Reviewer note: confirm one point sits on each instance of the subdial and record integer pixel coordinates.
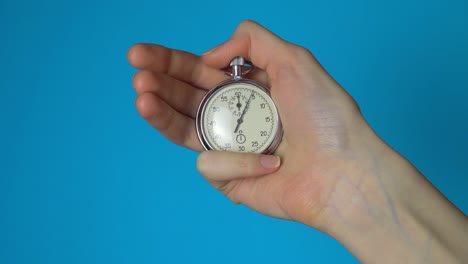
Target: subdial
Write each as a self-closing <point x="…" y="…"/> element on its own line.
<point x="237" y="104"/>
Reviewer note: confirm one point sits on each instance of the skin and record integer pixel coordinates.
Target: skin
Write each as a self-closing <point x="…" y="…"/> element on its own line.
<point x="330" y="172"/>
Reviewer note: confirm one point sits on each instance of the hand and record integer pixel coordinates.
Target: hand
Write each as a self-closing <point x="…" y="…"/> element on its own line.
<point x="336" y="174"/>
<point x="240" y="120"/>
<point x="239" y="105"/>
<point x="326" y="142"/>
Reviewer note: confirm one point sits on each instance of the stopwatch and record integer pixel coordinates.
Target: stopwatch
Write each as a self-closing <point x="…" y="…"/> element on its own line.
<point x="239" y="114"/>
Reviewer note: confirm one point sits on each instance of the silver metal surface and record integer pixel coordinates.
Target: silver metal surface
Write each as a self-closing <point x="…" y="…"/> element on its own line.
<point x="240" y="67"/>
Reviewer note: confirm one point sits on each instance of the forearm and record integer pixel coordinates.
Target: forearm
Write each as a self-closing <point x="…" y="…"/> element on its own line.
<point x="394" y="215"/>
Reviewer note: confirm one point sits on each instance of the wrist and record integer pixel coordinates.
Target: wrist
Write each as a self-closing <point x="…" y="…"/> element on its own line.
<point x="392" y="210"/>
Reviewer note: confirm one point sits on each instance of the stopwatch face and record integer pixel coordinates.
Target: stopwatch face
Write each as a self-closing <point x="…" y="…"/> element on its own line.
<point x="239" y="116"/>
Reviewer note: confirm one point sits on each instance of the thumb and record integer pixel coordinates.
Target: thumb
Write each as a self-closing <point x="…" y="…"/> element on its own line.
<point x="251" y="40"/>
<point x="222" y="166"/>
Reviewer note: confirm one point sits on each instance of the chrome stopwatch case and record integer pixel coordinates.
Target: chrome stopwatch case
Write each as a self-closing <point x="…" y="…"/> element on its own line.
<point x="239" y="115"/>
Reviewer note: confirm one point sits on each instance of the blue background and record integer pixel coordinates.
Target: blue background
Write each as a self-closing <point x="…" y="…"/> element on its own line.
<point x="83" y="179"/>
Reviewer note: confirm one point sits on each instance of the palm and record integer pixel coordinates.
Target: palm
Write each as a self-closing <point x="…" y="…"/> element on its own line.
<point x="171" y="84"/>
<point x="322" y="124"/>
<point x="308" y="168"/>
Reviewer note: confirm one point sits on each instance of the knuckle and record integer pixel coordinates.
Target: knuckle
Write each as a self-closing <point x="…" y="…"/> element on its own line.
<point x="188" y="139"/>
<point x="301" y="50"/>
<point x="229" y="189"/>
<point x="245" y="166"/>
<point x="154" y="80"/>
<point x="299" y="59"/>
<point x="248" y="23"/>
<point x="168" y="123"/>
<point x="242" y="164"/>
<point x="300" y="53"/>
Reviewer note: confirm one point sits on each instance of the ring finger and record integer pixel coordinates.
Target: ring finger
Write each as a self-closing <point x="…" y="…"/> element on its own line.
<point x="179" y="95"/>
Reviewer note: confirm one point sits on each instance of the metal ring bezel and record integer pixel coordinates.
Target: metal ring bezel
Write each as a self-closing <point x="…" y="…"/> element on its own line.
<point x="201" y="111"/>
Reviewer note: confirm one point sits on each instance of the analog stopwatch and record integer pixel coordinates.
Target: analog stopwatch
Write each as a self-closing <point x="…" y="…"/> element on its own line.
<point x="239" y="115"/>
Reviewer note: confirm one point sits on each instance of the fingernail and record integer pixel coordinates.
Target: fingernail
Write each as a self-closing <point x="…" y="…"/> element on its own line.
<point x="212" y="49"/>
<point x="270" y="161"/>
<point x="209" y="51"/>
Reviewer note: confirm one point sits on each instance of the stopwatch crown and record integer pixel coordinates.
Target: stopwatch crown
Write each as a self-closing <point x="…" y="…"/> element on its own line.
<point x="237" y="61"/>
<point x="239" y="67"/>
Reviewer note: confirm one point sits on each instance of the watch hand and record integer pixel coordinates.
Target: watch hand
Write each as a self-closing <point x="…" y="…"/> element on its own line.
<point x="239" y="121"/>
<point x="239" y="105"/>
<point x="241" y="118"/>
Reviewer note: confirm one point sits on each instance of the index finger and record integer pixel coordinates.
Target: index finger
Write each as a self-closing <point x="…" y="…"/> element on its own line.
<point x="179" y="64"/>
<point x="250" y="40"/>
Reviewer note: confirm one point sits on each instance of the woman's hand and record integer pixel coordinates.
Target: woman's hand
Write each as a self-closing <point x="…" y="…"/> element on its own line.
<point x="331" y="171"/>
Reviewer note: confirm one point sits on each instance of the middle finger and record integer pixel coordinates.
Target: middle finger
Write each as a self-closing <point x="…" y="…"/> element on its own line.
<point x="179" y="95"/>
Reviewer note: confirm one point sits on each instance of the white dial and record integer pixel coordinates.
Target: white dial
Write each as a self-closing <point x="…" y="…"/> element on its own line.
<point x="239" y="116"/>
